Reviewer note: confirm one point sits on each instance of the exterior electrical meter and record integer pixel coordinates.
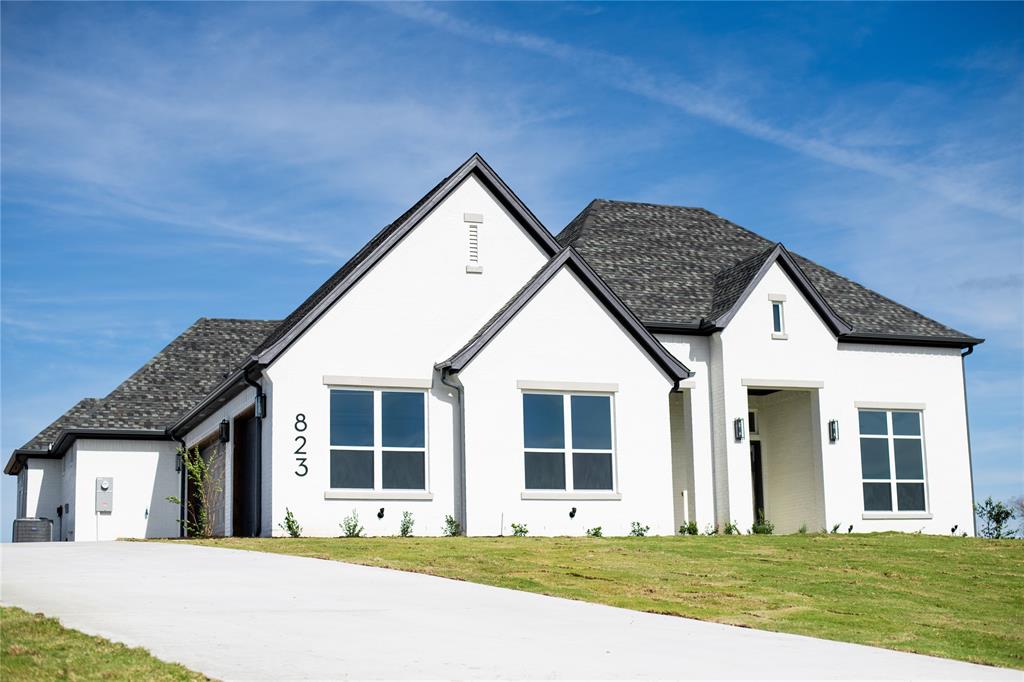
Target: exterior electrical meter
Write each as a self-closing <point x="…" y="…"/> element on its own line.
<point x="104" y="494"/>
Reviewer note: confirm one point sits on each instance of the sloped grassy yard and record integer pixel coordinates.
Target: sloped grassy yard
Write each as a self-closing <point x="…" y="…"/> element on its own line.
<point x="954" y="597"/>
<point x="34" y="647"/>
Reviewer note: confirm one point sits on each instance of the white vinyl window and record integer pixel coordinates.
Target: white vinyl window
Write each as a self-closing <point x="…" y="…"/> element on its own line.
<point x="378" y="439"/>
<point x="892" y="461"/>
<point x="568" y="442"/>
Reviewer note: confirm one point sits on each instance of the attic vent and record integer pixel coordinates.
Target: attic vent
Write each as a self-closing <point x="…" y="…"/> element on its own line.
<point x="473" y="222"/>
<point x="474" y="243"/>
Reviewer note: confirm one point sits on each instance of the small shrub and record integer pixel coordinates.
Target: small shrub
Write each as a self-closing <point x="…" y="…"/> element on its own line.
<point x="638" y="530"/>
<point x="803" y="529"/>
<point x="595" y="532"/>
<point x="732" y="528"/>
<point x="520" y="530"/>
<point x="762" y="526"/>
<point x="710" y="529"/>
<point x="952" y="531"/>
<point x="835" y="528"/>
<point x="350" y="525"/>
<point x="451" y="527"/>
<point x="688" y="528"/>
<point x="405" y="527"/>
<point x="850" y="529"/>
<point x="994" y="517"/>
<point x="290" y="525"/>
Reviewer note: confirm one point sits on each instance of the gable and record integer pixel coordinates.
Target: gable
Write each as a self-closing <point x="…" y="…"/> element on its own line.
<point x="385" y="240"/>
<point x="805" y="331"/>
<point x="568" y="264"/>
<point x="734" y="285"/>
<point x="421" y="299"/>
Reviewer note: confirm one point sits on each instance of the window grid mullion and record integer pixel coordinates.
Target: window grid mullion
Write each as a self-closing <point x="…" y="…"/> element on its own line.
<point x="567" y="425"/>
<point x="378" y="458"/>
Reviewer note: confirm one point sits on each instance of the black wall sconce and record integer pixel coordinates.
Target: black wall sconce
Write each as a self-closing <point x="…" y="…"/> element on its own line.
<point x="380" y="514"/>
<point x="833" y="431"/>
<point x="260" y="407"/>
<point x="225" y="431"/>
<point x="177" y="462"/>
<point x="737" y="427"/>
<point x="572" y="513"/>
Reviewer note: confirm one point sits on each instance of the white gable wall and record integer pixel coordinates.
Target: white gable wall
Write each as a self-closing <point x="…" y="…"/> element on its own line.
<point x="850" y="373"/>
<point x="416" y="307"/>
<point x="565" y="335"/>
<point x="144" y="476"/>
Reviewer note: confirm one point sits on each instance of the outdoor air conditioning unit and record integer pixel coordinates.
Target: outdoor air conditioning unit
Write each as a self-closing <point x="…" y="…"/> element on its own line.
<point x="33" y="530"/>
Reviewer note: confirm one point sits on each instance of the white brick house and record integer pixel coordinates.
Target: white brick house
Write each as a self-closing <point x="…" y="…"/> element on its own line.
<point x="651" y="363"/>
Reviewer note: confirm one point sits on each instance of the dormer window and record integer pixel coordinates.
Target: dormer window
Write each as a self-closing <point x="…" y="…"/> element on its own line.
<point x="778" y="302"/>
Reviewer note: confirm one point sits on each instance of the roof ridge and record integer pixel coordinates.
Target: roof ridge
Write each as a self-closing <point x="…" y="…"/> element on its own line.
<point x="651" y="203"/>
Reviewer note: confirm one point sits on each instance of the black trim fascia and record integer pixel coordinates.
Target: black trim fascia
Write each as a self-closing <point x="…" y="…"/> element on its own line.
<point x="65" y="437"/>
<point x="18" y="457"/>
<point x="701" y="328"/>
<point x="911" y="340"/>
<point x="674" y="369"/>
<point x="68" y="436"/>
<point x="475" y="165"/>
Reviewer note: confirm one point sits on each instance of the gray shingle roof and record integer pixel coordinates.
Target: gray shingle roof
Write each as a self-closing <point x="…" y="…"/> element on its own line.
<point x="171" y="383"/>
<point x="681" y="265"/>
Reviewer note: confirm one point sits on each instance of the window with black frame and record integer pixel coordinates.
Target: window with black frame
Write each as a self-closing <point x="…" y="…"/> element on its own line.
<point x="892" y="461"/>
<point x="568" y="442"/>
<point x="378" y="439"/>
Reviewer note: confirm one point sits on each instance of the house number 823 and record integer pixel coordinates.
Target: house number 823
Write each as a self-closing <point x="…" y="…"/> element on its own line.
<point x="300" y="425"/>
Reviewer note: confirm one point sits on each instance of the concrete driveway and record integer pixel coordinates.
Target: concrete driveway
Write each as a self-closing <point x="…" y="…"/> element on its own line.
<point x="246" y="615"/>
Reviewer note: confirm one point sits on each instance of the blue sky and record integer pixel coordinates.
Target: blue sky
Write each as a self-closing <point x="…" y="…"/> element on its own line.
<point x="170" y="161"/>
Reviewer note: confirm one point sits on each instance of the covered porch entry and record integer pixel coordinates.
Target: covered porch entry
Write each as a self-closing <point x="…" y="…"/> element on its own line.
<point x="784" y="428"/>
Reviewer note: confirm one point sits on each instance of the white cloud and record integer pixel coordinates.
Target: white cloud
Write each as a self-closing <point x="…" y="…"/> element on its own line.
<point x="956" y="183"/>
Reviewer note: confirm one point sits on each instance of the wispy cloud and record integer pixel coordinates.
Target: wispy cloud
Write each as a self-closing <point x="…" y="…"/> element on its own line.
<point x="722" y="109"/>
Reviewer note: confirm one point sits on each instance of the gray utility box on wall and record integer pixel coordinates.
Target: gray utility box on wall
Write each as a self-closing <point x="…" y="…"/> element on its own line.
<point x="104" y="494"/>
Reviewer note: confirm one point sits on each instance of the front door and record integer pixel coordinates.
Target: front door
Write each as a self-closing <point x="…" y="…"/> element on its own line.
<point x="756" y="479"/>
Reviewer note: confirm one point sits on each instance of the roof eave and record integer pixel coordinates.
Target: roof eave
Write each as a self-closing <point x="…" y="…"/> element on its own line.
<point x="215" y="399"/>
<point x="911" y="340"/>
<point x="66" y="437"/>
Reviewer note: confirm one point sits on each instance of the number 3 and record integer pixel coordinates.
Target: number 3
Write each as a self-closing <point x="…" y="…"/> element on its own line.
<point x="302" y="466"/>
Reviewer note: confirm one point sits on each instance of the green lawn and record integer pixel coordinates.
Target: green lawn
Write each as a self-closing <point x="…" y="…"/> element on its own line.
<point x="954" y="597"/>
<point x="34" y="647"/>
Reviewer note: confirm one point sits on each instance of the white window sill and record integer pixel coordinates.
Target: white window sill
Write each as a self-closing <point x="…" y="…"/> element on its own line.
<point x="337" y="494"/>
<point x="894" y="516"/>
<point x="780" y="336"/>
<point x="570" y="495"/>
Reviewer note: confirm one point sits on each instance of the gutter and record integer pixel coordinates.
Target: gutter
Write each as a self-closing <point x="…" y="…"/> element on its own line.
<point x="967" y="421"/>
<point x="183" y="487"/>
<point x="461" y="444"/>
<point x="258" y="492"/>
